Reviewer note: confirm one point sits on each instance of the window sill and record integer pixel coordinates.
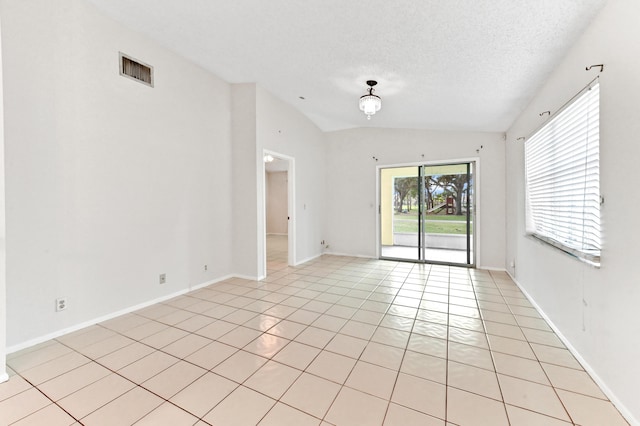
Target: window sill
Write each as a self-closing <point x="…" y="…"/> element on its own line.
<point x="589" y="259"/>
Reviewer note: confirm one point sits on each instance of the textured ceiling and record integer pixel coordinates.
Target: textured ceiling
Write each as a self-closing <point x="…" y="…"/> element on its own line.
<point x="441" y="64"/>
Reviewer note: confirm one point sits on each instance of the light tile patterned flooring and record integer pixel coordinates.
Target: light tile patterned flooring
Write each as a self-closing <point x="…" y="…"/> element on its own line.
<point x="338" y="340"/>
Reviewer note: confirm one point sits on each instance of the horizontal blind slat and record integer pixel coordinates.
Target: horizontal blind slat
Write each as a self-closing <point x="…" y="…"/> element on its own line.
<point x="562" y="176"/>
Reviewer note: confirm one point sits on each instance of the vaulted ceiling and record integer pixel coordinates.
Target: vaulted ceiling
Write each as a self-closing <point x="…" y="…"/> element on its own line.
<point x="440" y="64"/>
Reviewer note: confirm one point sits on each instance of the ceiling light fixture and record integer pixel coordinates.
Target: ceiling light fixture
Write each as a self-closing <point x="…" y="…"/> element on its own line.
<point x="370" y="103"/>
<point x="268" y="158"/>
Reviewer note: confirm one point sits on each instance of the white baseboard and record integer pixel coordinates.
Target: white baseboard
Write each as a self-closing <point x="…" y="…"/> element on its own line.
<point x="492" y="268"/>
<point x="62" y="332"/>
<point x="208" y="283"/>
<point x="246" y="277"/>
<point x="308" y="259"/>
<point x="605" y="389"/>
<point x="362" y="256"/>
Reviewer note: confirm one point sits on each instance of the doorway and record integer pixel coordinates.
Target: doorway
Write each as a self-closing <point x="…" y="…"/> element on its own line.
<point x="427" y="213"/>
<point x="279" y="236"/>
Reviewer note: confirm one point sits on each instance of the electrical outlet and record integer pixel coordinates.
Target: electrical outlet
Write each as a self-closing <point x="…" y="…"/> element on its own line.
<point x="163" y="278"/>
<point x="61" y="304"/>
<point x="205" y="267"/>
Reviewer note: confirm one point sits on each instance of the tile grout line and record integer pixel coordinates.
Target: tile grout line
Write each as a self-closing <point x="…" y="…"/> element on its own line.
<point x="491" y="352"/>
<point x="371" y="280"/>
<point x="343" y="385"/>
<point x="538" y="361"/>
<point x="136" y="385"/>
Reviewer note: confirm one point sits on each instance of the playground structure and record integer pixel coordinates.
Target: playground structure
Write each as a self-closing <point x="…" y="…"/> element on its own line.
<point x="449" y="206"/>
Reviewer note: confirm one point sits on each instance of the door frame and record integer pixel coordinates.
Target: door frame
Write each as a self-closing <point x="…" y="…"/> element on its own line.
<point x="291" y="228"/>
<point x="477" y="229"/>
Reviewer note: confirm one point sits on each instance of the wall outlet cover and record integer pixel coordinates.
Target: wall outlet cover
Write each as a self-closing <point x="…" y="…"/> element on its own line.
<point x="61" y="304"/>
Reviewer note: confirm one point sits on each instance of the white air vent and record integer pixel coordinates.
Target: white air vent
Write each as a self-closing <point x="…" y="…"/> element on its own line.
<point x="136" y="70"/>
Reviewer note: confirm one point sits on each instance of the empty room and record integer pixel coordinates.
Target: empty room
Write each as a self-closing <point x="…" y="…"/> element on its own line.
<point x="319" y="212"/>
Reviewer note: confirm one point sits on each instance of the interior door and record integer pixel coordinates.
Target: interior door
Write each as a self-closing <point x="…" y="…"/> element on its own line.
<point x="427" y="213"/>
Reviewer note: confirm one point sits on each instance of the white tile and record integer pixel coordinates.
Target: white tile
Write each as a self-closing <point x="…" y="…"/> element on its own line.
<point x="167" y="415"/>
<point x="51" y="415"/>
<point x="352" y="407"/>
<point x="576" y="381"/>
<point x="243" y="407"/>
<point x="521" y="417"/>
<point x="332" y="366"/>
<point x="273" y="379"/>
<point x="205" y="393"/>
<point x="127" y="409"/>
<point x="473" y="379"/>
<point x="372" y="379"/>
<point x="297" y="355"/>
<point x="587" y="411"/>
<point x="266" y="345"/>
<point x="425" y="366"/>
<point x="239" y="366"/>
<point x="397" y="415"/>
<point x="283" y="415"/>
<point x="21" y="405"/>
<point x="311" y="394"/>
<point x="419" y="394"/>
<point x="532" y="396"/>
<point x="94" y="396"/>
<point x="464" y="408"/>
<point x="175" y="378"/>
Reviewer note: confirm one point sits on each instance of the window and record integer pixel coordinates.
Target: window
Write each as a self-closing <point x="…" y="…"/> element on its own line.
<point x="563" y="178"/>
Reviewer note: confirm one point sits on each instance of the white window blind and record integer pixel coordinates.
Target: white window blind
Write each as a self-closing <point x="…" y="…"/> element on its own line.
<point x="563" y="179"/>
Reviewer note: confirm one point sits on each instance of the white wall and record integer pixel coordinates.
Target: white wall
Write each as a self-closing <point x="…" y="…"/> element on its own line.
<point x="109" y="182"/>
<point x="351" y="183"/>
<point x="276" y="202"/>
<point x="282" y="129"/>
<point x="595" y="309"/>
<point x="244" y="181"/>
<point x="3" y="275"/>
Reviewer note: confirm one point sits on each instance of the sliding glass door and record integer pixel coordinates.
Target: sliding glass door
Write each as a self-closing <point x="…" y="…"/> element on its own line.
<point x="426" y="213"/>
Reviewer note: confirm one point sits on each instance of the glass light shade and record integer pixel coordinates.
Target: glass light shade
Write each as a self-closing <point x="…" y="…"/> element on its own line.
<point x="268" y="158"/>
<point x="370" y="104"/>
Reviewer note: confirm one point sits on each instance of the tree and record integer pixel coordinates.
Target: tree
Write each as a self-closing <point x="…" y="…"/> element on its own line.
<point x="456" y="185"/>
<point x="403" y="186"/>
<point x="430" y="185"/>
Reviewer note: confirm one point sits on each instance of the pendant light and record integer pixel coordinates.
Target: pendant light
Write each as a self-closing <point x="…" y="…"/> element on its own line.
<point x="370" y="103"/>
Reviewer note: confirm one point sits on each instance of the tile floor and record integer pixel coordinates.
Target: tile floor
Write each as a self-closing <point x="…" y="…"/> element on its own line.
<point x="336" y="341"/>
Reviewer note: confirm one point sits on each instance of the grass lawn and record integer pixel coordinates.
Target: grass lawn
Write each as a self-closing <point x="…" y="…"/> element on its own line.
<point x="413" y="214"/>
<point x="443" y="227"/>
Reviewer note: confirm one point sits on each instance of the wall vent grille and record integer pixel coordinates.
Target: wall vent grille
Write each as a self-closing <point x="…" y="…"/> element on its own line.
<point x="136" y="70"/>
